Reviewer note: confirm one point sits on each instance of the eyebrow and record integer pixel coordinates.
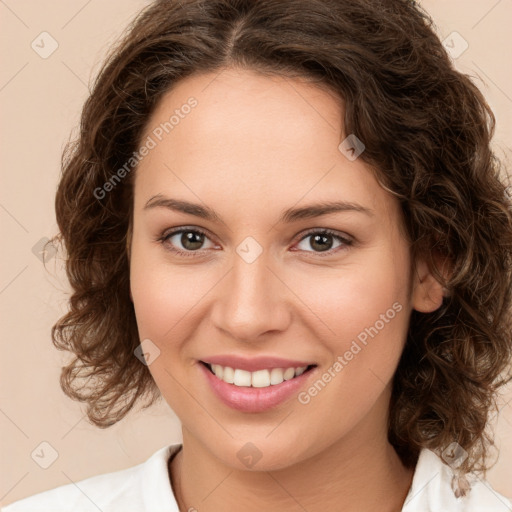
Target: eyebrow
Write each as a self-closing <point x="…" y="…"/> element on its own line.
<point x="287" y="216"/>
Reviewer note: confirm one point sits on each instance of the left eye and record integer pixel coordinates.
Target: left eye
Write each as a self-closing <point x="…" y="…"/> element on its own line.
<point x="322" y="240"/>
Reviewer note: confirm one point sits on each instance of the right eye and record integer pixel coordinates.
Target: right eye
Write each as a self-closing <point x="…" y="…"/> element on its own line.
<point x="189" y="239"/>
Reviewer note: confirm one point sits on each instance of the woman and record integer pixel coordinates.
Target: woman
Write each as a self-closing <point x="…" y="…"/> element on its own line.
<point x="285" y="218"/>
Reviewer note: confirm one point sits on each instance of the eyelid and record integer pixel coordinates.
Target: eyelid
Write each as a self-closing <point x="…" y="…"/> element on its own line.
<point x="343" y="236"/>
<point x="173" y="231"/>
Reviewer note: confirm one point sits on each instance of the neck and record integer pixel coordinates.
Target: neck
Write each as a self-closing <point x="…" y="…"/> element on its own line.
<point x="361" y="471"/>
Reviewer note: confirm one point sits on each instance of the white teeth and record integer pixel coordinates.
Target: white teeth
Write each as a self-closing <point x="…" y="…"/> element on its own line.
<point x="257" y="379"/>
<point x="260" y="379"/>
<point x="218" y="370"/>
<point x="242" y="378"/>
<point x="228" y="374"/>
<point x="289" y="373"/>
<point x="276" y="376"/>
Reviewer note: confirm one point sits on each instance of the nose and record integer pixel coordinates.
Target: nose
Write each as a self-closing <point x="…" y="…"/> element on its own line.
<point x="252" y="300"/>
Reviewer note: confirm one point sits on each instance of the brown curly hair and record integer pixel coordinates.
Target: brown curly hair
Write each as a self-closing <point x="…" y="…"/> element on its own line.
<point x="427" y="130"/>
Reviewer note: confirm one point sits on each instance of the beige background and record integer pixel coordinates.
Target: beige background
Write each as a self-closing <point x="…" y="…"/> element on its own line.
<point x="40" y="101"/>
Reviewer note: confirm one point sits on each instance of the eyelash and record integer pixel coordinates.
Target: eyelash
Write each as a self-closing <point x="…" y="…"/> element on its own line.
<point x="315" y="231"/>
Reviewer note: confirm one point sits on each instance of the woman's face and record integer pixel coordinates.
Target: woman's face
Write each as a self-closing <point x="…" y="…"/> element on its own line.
<point x="265" y="281"/>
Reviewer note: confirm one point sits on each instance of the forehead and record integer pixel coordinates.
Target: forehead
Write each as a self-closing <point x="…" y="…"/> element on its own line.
<point x="251" y="140"/>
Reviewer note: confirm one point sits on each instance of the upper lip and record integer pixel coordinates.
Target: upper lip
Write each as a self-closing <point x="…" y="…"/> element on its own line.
<point x="254" y="364"/>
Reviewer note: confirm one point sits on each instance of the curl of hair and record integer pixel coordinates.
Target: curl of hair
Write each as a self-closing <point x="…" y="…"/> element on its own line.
<point x="427" y="131"/>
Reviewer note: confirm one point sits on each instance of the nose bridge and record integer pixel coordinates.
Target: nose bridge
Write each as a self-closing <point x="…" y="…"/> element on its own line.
<point x="254" y="299"/>
<point x="251" y="280"/>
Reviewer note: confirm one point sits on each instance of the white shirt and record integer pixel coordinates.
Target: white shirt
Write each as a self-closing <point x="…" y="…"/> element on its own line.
<point x="147" y="488"/>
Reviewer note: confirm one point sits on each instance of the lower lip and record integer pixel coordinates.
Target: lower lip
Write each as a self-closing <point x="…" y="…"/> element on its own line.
<point x="249" y="399"/>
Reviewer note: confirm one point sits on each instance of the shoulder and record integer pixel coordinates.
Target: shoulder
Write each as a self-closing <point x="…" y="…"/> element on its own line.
<point x="431" y="490"/>
<point x="144" y="487"/>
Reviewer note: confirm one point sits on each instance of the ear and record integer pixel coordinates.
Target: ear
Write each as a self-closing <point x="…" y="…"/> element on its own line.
<point x="129" y="251"/>
<point x="428" y="292"/>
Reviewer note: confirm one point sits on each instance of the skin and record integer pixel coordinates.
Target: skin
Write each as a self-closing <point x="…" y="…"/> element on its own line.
<point x="253" y="147"/>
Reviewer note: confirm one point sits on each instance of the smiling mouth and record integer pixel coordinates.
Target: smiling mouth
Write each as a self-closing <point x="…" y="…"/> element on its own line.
<point x="258" y="379"/>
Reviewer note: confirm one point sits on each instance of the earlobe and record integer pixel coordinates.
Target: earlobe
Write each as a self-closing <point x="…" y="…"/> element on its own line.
<point x="428" y="292"/>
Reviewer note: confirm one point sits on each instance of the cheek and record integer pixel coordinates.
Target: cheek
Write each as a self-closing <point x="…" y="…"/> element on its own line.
<point x="169" y="299"/>
<point x="156" y="292"/>
<point x="159" y="300"/>
<point x="358" y="296"/>
<point x="366" y="310"/>
<point x="161" y="306"/>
